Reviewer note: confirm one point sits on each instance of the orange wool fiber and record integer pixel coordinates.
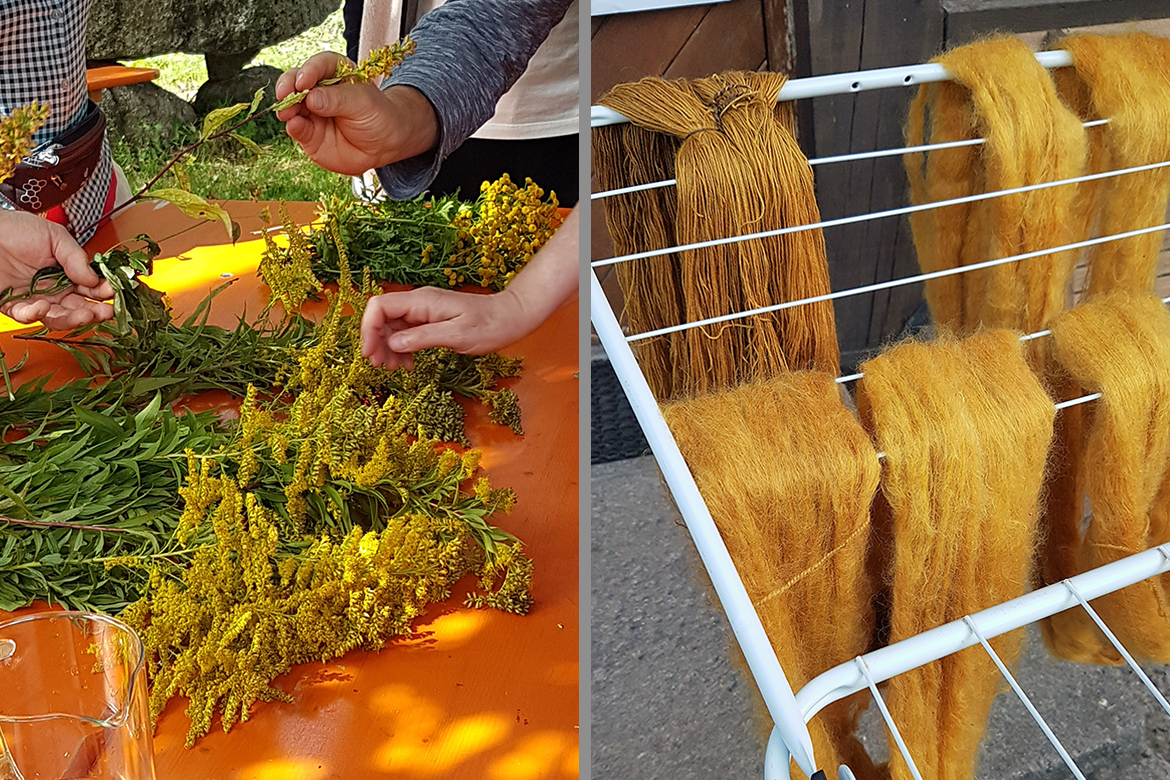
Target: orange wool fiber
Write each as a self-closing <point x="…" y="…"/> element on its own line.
<point x="965" y="427"/>
<point x="739" y="170"/>
<point x="1002" y="94"/>
<point x="1125" y="79"/>
<point x="1118" y="345"/>
<point x="788" y="475"/>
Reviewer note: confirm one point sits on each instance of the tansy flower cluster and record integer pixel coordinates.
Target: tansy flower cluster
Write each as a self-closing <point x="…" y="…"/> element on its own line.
<point x="502" y="232"/>
<point x="437" y="242"/>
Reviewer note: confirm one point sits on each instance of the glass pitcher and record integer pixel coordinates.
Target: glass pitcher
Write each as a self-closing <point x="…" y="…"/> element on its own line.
<point x="73" y="699"/>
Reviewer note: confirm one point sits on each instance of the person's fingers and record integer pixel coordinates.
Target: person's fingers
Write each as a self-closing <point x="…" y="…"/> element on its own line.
<point x="318" y="67"/>
<point x="301" y="130"/>
<point x="74" y="312"/>
<point x="27" y="311"/>
<point x="446" y="333"/>
<point x="344" y="100"/>
<point x="286" y="84"/>
<point x="103" y="292"/>
<point x="70" y="256"/>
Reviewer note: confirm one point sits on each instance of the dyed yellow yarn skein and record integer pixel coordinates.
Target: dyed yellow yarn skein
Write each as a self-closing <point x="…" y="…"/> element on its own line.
<point x="739" y="170"/>
<point x="965" y="427"/>
<point x="1125" y="79"/>
<point x="1117" y="345"/>
<point x="788" y="475"/>
<point x="1002" y="94"/>
<point x="639" y="221"/>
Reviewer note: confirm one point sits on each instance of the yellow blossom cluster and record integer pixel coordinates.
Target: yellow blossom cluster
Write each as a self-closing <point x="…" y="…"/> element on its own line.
<point x="379" y="62"/>
<point x="499" y="235"/>
<point x="289" y="272"/>
<point x="247" y="609"/>
<point x="326" y="523"/>
<point x="16" y="132"/>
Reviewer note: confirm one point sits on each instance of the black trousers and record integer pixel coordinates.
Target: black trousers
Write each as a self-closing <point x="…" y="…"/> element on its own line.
<point x="550" y="162"/>
<point x="352" y="15"/>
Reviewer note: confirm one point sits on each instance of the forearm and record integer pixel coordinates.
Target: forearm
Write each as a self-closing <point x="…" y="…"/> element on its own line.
<point x="469" y="54"/>
<point x="550" y="279"/>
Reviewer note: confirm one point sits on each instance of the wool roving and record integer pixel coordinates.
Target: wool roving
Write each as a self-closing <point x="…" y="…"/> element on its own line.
<point x="965" y="427"/>
<point x="1125" y="79"/>
<point x="1002" y="94"/>
<point x="1117" y="345"/>
<point x="739" y="170"/>
<point x="788" y="475"/>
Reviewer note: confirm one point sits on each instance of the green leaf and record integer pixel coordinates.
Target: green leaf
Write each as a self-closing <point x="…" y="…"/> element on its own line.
<point x="194" y="206"/>
<point x="149" y="414"/>
<point x="149" y="384"/>
<point x="219" y="117"/>
<point x="98" y="422"/>
<point x="259" y="96"/>
<point x="247" y="143"/>
<point x="291" y="100"/>
<point x="181" y="176"/>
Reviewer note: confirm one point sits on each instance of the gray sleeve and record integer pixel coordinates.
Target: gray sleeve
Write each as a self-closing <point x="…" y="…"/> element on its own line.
<point x="470" y="52"/>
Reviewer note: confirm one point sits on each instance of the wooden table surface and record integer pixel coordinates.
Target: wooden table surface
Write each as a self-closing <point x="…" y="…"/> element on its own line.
<point x="474" y="693"/>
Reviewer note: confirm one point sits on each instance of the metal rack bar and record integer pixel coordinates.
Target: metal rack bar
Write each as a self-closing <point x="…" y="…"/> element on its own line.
<point x="1145" y="678"/>
<point x="741" y="613"/>
<point x="894" y="283"/>
<point x="814" y="161"/>
<point x="1028" y="705"/>
<point x="886" y="662"/>
<point x="877" y="214"/>
<point x="856" y="81"/>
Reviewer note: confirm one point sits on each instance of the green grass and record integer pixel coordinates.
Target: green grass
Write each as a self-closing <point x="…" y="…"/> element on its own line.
<point x="224" y="171"/>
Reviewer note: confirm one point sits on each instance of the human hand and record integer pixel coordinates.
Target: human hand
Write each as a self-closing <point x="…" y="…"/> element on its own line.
<point x="352" y="127"/>
<point x="398" y="324"/>
<point x="29" y="243"/>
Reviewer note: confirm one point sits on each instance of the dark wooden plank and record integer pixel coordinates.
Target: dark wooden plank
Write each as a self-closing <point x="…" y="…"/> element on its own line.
<point x="631" y="46"/>
<point x="777" y="38"/>
<point x="596" y="23"/>
<point x="729" y="37"/>
<point x="968" y="19"/>
<point x="896" y="32"/>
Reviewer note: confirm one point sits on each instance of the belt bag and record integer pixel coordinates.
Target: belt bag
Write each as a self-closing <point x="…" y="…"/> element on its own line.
<point x="59" y="169"/>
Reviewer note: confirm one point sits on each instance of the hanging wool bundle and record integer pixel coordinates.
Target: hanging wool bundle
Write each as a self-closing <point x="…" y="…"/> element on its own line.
<point x="1117" y="345"/>
<point x="789" y="474"/>
<point x="1002" y="94"/>
<point x="965" y="427"/>
<point x="641" y="221"/>
<point x="739" y="170"/>
<point x="1125" y="79"/>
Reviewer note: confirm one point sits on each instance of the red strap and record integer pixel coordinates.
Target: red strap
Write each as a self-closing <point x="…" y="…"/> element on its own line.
<point x="57" y="214"/>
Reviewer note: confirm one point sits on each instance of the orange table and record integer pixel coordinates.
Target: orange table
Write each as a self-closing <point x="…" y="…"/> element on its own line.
<point x="474" y="693"/>
<point x="110" y="76"/>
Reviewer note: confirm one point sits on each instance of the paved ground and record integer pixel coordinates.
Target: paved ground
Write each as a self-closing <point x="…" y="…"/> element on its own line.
<point x="669" y="703"/>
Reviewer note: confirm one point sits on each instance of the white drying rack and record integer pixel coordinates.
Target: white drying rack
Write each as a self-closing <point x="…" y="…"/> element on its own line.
<point x="790" y="712"/>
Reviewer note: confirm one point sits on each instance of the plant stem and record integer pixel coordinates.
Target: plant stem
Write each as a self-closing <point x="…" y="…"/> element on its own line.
<point x="178" y="156"/>
<point x="77" y="526"/>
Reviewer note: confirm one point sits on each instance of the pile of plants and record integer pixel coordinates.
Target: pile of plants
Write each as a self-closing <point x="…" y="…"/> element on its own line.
<point x="436" y="241"/>
<point x="325" y="517"/>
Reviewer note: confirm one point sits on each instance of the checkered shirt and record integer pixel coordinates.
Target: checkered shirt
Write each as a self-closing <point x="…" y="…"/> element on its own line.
<point x="42" y="57"/>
